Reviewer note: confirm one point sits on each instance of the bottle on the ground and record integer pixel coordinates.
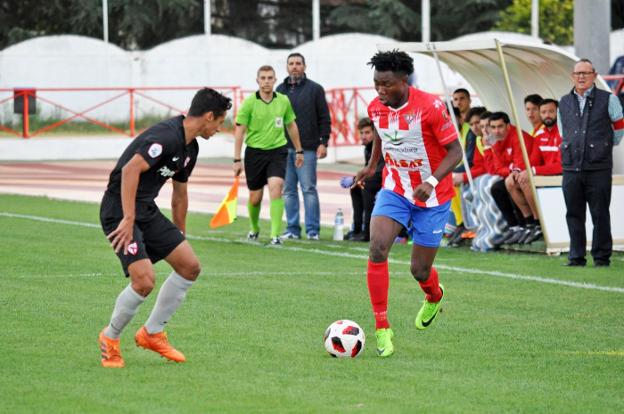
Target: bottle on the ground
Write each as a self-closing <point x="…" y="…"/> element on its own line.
<point x="339" y="225"/>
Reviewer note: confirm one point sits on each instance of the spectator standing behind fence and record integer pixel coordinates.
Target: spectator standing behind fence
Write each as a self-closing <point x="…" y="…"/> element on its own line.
<point x="363" y="199"/>
<point x="310" y="106"/>
<point x="591" y="123"/>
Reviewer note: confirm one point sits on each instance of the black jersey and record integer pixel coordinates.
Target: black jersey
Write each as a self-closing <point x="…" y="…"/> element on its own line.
<point x="164" y="148"/>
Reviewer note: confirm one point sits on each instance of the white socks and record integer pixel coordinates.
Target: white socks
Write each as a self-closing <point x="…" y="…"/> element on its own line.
<point x="126" y="307"/>
<point x="171" y="295"/>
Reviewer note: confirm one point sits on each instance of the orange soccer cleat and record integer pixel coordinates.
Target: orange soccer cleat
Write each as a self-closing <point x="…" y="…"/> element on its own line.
<point x="158" y="342"/>
<point x="111" y="355"/>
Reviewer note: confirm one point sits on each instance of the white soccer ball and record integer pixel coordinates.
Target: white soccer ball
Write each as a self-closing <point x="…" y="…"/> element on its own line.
<point x="344" y="339"/>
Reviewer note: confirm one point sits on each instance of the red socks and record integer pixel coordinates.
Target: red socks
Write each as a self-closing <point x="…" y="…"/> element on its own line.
<point x="378" y="282"/>
<point x="431" y="287"/>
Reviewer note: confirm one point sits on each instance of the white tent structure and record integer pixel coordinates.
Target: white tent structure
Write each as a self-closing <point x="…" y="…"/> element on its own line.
<point x="502" y="74"/>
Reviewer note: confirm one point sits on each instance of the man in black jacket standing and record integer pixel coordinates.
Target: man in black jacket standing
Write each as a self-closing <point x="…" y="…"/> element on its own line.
<point x="591" y="123"/>
<point x="308" y="101"/>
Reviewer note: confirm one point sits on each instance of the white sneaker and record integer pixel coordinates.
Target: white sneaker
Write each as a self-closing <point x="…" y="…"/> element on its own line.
<point x="276" y="241"/>
<point x="289" y="236"/>
<point x="313" y="236"/>
<point x="251" y="236"/>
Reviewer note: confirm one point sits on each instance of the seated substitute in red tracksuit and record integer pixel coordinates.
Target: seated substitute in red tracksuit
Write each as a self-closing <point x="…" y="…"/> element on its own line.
<point x="508" y="160"/>
<point x="545" y="159"/>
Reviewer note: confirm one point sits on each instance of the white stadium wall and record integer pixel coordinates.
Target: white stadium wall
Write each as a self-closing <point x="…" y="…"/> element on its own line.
<point x="341" y="61"/>
<point x="616" y="45"/>
<point x="217" y="61"/>
<point x="70" y="61"/>
<point x="67" y="61"/>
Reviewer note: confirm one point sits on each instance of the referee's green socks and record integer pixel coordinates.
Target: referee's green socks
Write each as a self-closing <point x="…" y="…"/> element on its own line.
<point x="254" y="217"/>
<point x="277" y="211"/>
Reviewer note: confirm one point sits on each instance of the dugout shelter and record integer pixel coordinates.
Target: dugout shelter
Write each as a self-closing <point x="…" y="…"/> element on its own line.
<point x="502" y="73"/>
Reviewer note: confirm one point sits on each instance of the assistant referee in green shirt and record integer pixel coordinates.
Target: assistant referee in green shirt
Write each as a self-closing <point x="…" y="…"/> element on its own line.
<point x="263" y="116"/>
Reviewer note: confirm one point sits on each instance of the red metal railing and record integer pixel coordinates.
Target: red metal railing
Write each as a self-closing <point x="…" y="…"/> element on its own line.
<point x="346" y="107"/>
<point x="617" y="86"/>
<point x="131" y="93"/>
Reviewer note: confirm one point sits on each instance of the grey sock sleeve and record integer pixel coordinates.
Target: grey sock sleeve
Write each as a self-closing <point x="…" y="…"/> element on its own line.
<point x="171" y="295"/>
<point x="126" y="307"/>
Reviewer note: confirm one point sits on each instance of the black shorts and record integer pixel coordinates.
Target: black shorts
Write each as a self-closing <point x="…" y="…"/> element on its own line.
<point x="155" y="237"/>
<point x="262" y="164"/>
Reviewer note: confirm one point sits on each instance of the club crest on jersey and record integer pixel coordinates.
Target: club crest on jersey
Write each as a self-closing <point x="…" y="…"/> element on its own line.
<point x="409" y="118"/>
<point x="155" y="150"/>
<point x="133" y="249"/>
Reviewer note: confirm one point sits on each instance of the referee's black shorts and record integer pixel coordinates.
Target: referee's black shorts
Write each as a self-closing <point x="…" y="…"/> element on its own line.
<point x="262" y="164"/>
<point x="154" y="236"/>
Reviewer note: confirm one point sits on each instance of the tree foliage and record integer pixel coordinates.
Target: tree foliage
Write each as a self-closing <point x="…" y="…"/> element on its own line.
<point x="142" y="24"/>
<point x="132" y="23"/>
<point x="556" y="19"/>
<point x="617" y="14"/>
<point x="402" y="19"/>
<point x="272" y="23"/>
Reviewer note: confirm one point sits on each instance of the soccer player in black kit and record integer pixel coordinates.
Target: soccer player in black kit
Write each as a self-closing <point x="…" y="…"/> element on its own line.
<point x="141" y="235"/>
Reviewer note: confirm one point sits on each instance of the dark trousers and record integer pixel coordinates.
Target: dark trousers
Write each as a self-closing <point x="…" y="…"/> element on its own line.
<point x="591" y="188"/>
<point x="363" y="201"/>
<point x="503" y="200"/>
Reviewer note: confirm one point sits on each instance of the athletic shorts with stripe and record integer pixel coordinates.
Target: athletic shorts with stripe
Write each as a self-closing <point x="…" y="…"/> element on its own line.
<point x="424" y="224"/>
<point x="154" y="236"/>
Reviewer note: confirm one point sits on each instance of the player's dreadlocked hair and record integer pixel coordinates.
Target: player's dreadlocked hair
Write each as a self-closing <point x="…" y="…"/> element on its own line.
<point x="394" y="61"/>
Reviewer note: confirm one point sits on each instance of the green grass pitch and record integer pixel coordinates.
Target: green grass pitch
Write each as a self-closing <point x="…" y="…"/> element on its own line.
<point x="519" y="333"/>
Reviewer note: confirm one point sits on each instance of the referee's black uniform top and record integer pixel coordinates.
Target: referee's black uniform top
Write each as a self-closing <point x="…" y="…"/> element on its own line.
<point x="164" y="148"/>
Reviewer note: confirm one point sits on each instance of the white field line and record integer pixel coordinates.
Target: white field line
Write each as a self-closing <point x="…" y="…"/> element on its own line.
<point x="204" y="274"/>
<point x="529" y="278"/>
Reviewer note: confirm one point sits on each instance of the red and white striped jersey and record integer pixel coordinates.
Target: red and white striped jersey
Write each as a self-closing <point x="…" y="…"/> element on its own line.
<point x="412" y="143"/>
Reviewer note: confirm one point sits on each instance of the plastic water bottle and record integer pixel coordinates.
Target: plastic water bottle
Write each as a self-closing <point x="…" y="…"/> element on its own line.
<point x="339" y="225"/>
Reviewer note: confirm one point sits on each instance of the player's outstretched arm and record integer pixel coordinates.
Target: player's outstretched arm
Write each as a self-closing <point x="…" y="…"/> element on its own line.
<point x="239" y="134"/>
<point x="130" y="173"/>
<point x="448" y="163"/>
<point x="293" y="133"/>
<point x="179" y="205"/>
<point x="369" y="170"/>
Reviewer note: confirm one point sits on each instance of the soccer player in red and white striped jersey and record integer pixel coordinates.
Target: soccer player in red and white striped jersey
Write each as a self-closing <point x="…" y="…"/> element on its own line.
<point x="418" y="141"/>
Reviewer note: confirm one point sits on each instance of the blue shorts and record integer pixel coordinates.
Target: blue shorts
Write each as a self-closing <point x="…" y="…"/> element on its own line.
<point x="425" y="224"/>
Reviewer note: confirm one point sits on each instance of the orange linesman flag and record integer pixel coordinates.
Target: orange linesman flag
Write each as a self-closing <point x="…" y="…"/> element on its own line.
<point x="226" y="213"/>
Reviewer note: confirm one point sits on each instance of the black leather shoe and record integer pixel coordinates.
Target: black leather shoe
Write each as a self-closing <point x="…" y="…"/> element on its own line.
<point x="574" y="263"/>
<point x="601" y="263"/>
<point x="360" y="237"/>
